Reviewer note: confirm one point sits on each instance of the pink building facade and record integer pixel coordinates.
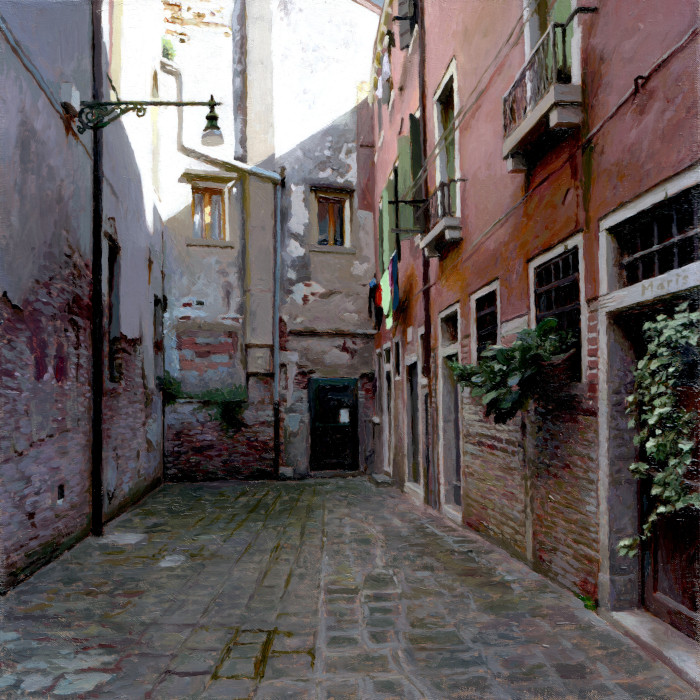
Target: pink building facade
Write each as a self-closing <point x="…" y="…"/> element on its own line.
<point x="538" y="144"/>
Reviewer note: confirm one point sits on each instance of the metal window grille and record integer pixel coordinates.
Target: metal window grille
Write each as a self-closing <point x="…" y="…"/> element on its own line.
<point x="486" y="307"/>
<point x="662" y="238"/>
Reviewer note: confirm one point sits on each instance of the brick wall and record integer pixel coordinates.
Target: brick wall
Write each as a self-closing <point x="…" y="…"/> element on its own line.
<point x="199" y="448"/>
<point x="208" y="358"/>
<point x="45" y="411"/>
<point x="564" y="491"/>
<point x="132" y="433"/>
<point x="493" y="476"/>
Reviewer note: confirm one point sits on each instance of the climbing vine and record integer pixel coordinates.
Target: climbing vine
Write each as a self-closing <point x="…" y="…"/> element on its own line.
<point x="665" y="430"/>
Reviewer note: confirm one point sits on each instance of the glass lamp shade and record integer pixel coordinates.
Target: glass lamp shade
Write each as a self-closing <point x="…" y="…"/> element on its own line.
<point x="212" y="136"/>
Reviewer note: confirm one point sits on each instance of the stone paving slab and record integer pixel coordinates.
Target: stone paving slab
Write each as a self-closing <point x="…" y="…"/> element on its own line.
<point x="321" y="589"/>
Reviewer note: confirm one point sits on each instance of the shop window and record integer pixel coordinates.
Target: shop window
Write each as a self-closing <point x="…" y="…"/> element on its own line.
<point x="662" y="238"/>
<point x="208" y="214"/>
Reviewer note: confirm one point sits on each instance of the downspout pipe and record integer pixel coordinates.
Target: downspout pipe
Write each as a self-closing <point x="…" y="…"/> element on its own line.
<point x="425" y="281"/>
<point x="276" y="323"/>
<point x="97" y="304"/>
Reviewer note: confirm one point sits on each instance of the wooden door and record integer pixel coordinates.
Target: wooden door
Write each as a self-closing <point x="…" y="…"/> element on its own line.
<point x="334" y="436"/>
<point x="672" y="557"/>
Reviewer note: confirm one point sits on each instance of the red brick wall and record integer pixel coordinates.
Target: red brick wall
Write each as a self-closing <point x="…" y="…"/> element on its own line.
<point x="493" y="476"/>
<point x="207" y="357"/>
<point x="132" y="433"/>
<point x="199" y="448"/>
<point x="45" y="409"/>
<point x="564" y="478"/>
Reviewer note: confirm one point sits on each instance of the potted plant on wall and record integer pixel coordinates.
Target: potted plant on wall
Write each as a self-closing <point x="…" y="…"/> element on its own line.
<point x="507" y="379"/>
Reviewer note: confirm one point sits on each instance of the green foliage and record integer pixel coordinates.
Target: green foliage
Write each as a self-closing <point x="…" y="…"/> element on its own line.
<point x="170" y="387"/>
<point x="168" y="51"/>
<point x="588" y="602"/>
<point x="226" y="405"/>
<point x="665" y="430"/>
<point x="507" y="378"/>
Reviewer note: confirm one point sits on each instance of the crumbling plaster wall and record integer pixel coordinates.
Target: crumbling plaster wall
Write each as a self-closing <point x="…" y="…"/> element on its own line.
<point x="325" y="326"/>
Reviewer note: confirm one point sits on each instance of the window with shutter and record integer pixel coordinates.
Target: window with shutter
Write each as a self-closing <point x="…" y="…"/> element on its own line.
<point x="332" y="217"/>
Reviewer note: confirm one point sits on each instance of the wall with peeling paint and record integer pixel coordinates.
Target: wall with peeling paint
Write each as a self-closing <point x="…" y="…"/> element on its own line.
<point x="295" y="109"/>
<point x="46" y="279"/>
<point x="318" y="90"/>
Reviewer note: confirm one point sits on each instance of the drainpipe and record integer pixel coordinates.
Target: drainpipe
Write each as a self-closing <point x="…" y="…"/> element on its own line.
<point x="276" y="322"/>
<point x="427" y="322"/>
<point x="97" y="331"/>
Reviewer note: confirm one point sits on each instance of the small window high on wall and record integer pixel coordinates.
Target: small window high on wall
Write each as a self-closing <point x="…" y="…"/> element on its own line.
<point x="332" y="220"/>
<point x="208" y="214"/>
<point x="486" y="320"/>
<point x="331" y="214"/>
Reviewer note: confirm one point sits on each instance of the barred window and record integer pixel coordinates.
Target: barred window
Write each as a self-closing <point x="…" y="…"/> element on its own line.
<point x="662" y="238"/>
<point x="558" y="294"/>
<point x="486" y="307"/>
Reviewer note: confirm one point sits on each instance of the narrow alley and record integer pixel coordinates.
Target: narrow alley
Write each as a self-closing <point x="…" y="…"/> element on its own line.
<point x="329" y="588"/>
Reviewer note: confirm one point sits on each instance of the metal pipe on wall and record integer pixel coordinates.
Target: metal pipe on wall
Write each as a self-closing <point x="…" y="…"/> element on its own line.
<point x="97" y="304"/>
<point x="276" y="322"/>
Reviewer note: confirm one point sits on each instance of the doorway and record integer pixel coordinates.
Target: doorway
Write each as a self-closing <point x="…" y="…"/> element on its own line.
<point x="670" y="558"/>
<point x="449" y="429"/>
<point x="413" y="446"/>
<point x="333" y="413"/>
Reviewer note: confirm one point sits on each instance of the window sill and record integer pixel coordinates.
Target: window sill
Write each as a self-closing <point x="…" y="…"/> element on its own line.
<point x="209" y="243"/>
<point x="341" y="250"/>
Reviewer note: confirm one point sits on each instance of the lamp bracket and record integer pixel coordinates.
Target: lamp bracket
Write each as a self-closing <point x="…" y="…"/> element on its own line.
<point x="97" y="115"/>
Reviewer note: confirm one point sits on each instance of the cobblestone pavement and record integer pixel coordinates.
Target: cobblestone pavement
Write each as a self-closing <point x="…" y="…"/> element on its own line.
<point x="322" y="589"/>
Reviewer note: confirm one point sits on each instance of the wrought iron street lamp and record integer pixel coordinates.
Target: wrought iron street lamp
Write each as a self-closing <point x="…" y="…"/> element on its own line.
<point x="97" y="115"/>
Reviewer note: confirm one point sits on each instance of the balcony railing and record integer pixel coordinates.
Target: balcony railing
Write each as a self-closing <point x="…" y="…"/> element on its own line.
<point x="444" y="226"/>
<point x="441" y="203"/>
<point x="548" y="64"/>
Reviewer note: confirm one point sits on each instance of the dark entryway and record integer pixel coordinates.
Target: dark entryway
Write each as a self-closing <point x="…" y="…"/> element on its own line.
<point x="333" y="409"/>
<point x="413" y="437"/>
<point x="670" y="562"/>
